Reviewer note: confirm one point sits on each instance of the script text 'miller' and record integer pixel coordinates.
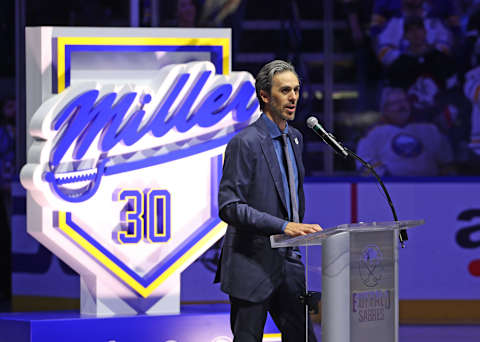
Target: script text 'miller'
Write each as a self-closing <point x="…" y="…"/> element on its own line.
<point x="87" y="115"/>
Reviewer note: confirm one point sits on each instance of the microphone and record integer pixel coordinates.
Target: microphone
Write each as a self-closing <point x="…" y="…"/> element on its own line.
<point x="329" y="139"/>
<point x="312" y="122"/>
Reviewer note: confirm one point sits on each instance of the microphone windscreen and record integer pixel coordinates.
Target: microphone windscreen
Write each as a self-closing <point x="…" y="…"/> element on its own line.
<point x="312" y="121"/>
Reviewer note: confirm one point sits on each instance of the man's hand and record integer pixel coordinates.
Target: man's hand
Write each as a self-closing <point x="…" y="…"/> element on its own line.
<point x="296" y="229"/>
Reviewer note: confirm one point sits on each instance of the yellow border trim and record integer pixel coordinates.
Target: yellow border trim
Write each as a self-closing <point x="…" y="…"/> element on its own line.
<point x="272" y="337"/>
<point x="211" y="236"/>
<point x="126" y="41"/>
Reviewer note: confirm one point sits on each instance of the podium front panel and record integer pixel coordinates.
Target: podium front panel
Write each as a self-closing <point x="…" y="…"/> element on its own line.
<point x="372" y="287"/>
<point x="359" y="278"/>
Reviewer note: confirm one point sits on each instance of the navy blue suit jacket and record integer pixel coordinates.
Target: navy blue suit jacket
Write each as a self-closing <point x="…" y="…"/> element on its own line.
<point x="251" y="200"/>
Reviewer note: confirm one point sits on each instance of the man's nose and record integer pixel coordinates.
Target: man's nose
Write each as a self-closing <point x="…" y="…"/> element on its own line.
<point x="293" y="96"/>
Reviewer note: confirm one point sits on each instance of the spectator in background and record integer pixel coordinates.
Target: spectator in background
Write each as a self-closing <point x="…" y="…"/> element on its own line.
<point x="472" y="91"/>
<point x="472" y="43"/>
<point x="384" y="10"/>
<point x="397" y="147"/>
<point x="358" y="13"/>
<point x="225" y="13"/>
<point x="465" y="8"/>
<point x="391" y="41"/>
<point x="214" y="12"/>
<point x="472" y="78"/>
<point x="427" y="74"/>
<point x="186" y="13"/>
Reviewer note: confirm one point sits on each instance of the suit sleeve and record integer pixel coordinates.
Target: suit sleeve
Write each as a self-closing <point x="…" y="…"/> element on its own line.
<point x="234" y="206"/>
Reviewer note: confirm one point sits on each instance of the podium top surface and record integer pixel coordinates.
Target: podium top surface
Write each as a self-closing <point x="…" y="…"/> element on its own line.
<point x="283" y="240"/>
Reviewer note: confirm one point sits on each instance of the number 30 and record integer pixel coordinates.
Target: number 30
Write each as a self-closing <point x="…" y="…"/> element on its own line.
<point x="146" y="215"/>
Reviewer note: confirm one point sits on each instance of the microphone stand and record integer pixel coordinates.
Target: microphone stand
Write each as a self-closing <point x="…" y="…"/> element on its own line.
<point x="310" y="298"/>
<point x="402" y="236"/>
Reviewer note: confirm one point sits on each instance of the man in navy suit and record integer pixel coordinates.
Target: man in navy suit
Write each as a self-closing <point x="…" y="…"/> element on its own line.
<point x="261" y="194"/>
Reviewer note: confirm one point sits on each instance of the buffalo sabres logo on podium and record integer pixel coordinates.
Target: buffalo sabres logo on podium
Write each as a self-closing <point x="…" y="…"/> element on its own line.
<point x="129" y="173"/>
<point x="370" y="265"/>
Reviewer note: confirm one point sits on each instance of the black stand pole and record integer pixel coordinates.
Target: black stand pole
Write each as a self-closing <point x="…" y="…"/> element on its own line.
<point x="403" y="233"/>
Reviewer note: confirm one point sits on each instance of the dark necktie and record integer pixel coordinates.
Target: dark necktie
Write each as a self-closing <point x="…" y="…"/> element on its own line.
<point x="291" y="179"/>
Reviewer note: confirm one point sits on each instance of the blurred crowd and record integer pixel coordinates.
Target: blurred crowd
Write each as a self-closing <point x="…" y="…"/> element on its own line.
<point x="417" y="62"/>
<point x="429" y="89"/>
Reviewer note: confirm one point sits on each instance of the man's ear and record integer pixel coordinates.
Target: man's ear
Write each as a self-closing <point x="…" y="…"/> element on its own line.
<point x="265" y="96"/>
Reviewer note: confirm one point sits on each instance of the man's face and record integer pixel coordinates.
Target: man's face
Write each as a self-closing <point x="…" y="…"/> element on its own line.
<point x="416" y="35"/>
<point x="397" y="109"/>
<point x="281" y="103"/>
<point x="186" y="12"/>
<point x="9" y="109"/>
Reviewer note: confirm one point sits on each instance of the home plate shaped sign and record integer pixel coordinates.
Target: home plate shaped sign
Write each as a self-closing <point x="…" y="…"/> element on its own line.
<point x="126" y="179"/>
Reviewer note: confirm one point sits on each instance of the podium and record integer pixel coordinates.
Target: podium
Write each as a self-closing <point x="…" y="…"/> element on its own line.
<point x="359" y="278"/>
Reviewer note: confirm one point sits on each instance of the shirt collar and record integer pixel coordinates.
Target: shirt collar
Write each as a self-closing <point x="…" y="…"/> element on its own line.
<point x="272" y="127"/>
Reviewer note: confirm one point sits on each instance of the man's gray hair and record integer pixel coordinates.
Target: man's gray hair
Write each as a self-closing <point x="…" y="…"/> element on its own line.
<point x="265" y="77"/>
